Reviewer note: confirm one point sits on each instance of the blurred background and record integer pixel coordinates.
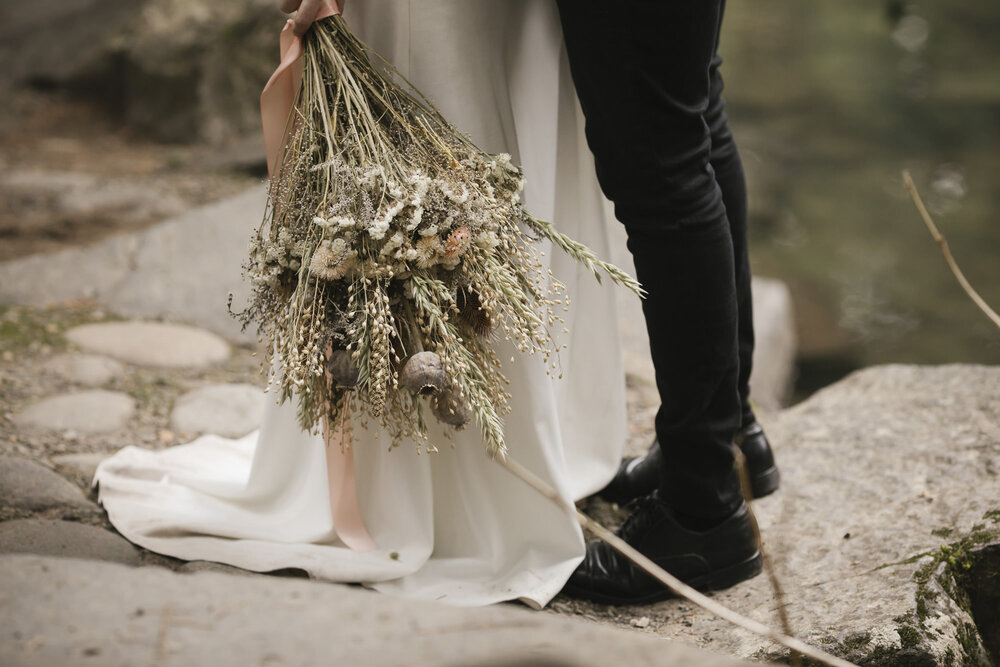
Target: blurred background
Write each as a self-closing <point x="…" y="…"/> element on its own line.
<point x="830" y="101"/>
<point x="120" y="113"/>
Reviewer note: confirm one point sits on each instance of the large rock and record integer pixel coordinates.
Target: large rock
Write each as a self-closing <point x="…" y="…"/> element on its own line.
<point x="181" y="270"/>
<point x="152" y="343"/>
<point x="69" y="612"/>
<point x="64" y="539"/>
<point x="889" y="512"/>
<point x="54" y="204"/>
<point x="61" y="42"/>
<point x="95" y="411"/>
<point x="775" y="344"/>
<point x="194" y="70"/>
<point x="27" y="487"/>
<point x="174" y="70"/>
<point x="230" y="410"/>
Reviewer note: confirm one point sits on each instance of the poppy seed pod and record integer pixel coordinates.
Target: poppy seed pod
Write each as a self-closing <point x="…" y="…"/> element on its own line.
<point x="449" y="408"/>
<point x="342" y="368"/>
<point x="424" y="374"/>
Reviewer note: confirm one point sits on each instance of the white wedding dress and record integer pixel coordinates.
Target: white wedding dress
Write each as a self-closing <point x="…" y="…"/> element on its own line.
<point x="451" y="526"/>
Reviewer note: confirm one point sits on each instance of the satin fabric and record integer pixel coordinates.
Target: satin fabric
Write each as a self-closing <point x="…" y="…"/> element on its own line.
<point x="451" y="526"/>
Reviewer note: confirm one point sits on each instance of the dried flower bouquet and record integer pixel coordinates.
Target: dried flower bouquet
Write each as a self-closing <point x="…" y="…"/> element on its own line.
<point x="392" y="252"/>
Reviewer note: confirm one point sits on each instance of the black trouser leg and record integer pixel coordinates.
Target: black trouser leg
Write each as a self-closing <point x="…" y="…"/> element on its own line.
<point x="641" y="71"/>
<point x="725" y="161"/>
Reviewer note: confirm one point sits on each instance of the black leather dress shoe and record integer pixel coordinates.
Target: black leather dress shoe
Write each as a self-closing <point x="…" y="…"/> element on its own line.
<point x="764" y="475"/>
<point x="639" y="475"/>
<point x="709" y="560"/>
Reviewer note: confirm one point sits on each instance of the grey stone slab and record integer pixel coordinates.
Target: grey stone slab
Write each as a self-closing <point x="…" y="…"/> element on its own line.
<point x="27" y="487"/>
<point x="65" y="539"/>
<point x="152" y="343"/>
<point x="83" y="465"/>
<point x="91" y="370"/>
<point x="93" y="411"/>
<point x="230" y="410"/>
<point x="879" y="472"/>
<point x="181" y="270"/>
<point x="79" y="195"/>
<point x="775" y="344"/>
<point x="59" y="611"/>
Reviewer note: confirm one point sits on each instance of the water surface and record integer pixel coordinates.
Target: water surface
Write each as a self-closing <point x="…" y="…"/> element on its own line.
<point x="829" y="102"/>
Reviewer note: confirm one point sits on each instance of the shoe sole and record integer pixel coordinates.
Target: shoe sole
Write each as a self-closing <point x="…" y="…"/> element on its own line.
<point x="765" y="483"/>
<point x="716" y="580"/>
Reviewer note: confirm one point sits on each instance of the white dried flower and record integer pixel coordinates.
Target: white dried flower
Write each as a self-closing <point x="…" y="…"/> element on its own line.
<point x="488" y="240"/>
<point x="381" y="223"/>
<point x="455" y="197"/>
<point x="394" y="242"/>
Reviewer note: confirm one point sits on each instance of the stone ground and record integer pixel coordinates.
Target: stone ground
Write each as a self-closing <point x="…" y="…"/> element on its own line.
<point x="884" y="534"/>
<point x="62" y="390"/>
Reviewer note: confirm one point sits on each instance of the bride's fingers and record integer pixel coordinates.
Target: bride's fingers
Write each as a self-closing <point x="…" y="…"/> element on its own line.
<point x="289" y="6"/>
<point x="305" y="16"/>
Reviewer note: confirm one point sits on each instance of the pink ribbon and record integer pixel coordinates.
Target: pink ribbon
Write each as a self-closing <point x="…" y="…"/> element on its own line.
<point x="347" y="519"/>
<point x="276" y="102"/>
<point x="278" y="95"/>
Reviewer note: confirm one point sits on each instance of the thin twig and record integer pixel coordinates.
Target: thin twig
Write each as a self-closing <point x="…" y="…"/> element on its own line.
<point x="939" y="238"/>
<point x="776" y="588"/>
<point x="675" y="585"/>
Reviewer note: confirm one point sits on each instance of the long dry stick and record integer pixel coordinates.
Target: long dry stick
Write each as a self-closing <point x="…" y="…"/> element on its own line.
<point x="675" y="585"/>
<point x="776" y="588"/>
<point x="939" y="238"/>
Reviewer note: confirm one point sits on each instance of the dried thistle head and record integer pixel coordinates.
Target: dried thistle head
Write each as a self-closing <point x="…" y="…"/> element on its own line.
<point x="332" y="260"/>
<point x="472" y="313"/>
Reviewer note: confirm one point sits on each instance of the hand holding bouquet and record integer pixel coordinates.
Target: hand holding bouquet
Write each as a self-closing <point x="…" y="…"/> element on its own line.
<point x="393" y="251"/>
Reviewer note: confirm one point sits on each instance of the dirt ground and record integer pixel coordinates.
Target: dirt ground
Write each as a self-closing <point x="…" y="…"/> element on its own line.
<point x="69" y="175"/>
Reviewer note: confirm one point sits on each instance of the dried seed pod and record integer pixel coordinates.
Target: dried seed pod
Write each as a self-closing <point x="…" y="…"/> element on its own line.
<point x="342" y="368"/>
<point x="449" y="408"/>
<point x="472" y="313"/>
<point x="424" y="374"/>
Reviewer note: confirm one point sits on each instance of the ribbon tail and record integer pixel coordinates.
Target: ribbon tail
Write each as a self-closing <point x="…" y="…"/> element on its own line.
<point x="344" y="508"/>
<point x="276" y="101"/>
